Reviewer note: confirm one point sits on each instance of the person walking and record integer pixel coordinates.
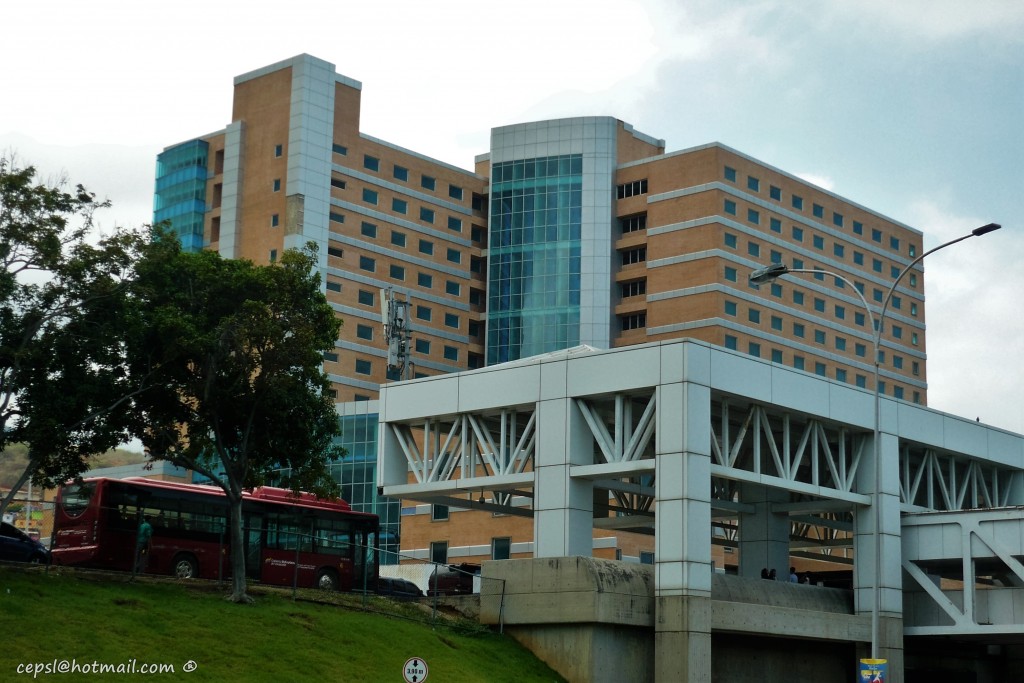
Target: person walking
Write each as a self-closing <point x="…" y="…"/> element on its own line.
<point x="143" y="544"/>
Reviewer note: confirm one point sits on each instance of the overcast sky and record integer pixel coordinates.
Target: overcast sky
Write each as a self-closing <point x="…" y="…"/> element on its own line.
<point x="914" y="108"/>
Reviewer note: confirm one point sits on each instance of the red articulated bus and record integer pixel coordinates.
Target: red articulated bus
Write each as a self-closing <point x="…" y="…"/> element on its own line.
<point x="334" y="548"/>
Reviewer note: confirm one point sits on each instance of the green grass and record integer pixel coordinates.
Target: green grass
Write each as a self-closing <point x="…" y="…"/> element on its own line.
<point x="68" y="615"/>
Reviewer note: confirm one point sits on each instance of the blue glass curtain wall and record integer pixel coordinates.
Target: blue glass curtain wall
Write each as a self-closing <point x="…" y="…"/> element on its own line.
<point x="534" y="256"/>
<point x="181" y="191"/>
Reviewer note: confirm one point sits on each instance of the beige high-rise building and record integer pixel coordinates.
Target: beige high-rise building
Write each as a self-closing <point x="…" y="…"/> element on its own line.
<point x="568" y="232"/>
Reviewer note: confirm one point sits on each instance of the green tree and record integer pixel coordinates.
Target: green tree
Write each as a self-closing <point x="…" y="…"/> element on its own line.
<point x="63" y="300"/>
<point x="238" y="350"/>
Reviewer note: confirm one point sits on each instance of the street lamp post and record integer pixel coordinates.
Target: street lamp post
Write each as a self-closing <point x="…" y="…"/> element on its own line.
<point x="776" y="270"/>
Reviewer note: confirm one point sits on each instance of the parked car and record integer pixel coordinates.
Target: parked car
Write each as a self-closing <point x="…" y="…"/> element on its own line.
<point x="16" y="546"/>
<point x="398" y="588"/>
<point x="455" y="579"/>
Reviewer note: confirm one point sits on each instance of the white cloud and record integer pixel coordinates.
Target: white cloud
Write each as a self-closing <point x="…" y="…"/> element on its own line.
<point x="938" y="19"/>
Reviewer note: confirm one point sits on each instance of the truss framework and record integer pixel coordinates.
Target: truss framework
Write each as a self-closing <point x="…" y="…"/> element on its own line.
<point x="942" y="481"/>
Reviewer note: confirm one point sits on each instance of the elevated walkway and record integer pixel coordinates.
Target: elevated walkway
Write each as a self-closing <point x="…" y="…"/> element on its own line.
<point x="964" y="573"/>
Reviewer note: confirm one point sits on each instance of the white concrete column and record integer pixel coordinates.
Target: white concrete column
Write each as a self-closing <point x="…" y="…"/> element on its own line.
<point x="886" y="575"/>
<point x="563" y="519"/>
<point x="683" y="533"/>
<point x="764" y="535"/>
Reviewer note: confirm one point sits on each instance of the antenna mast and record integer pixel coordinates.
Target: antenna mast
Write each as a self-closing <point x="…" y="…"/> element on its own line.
<point x="397" y="335"/>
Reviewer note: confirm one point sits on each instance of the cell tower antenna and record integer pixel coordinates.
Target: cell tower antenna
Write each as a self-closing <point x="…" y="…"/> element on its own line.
<point x="397" y="335"/>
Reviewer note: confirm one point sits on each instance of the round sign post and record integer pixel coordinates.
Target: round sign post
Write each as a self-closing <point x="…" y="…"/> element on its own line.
<point x="415" y="670"/>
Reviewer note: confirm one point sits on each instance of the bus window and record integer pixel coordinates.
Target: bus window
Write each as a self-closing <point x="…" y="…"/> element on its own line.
<point x="75" y="499"/>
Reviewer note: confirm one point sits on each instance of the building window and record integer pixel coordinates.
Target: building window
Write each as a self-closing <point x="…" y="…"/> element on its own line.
<point x="401" y="173"/>
<point x="637" y="255"/>
<point x="426" y="247"/>
<point x="333" y="286"/>
<point x="840" y="343"/>
<point x="838" y="250"/>
<point x="368" y="229"/>
<point x="897" y="362"/>
<point x="331" y="357"/>
<point x="275" y="220"/>
<point x="730" y="308"/>
<point x="840" y="374"/>
<point x="775" y="224"/>
<point x="337" y="252"/>
<point x="451" y="320"/>
<point x="858" y="258"/>
<point x="423" y="313"/>
<point x="397" y="272"/>
<point x="858" y="228"/>
<point x="368" y="264"/>
<point x="272" y="257"/>
<point x="339" y="149"/>
<point x="777" y="290"/>
<point x="897" y="332"/>
<point x="776" y="355"/>
<point x="455" y="192"/>
<point x="798" y="234"/>
<point x="860" y="350"/>
<point x="894" y="243"/>
<point x="634" y="321"/>
<point x="876" y="235"/>
<point x="840" y="312"/>
<point x="837" y="219"/>
<point x="861" y="381"/>
<point x="452" y="288"/>
<point x="399" y="206"/>
<point x="337" y="217"/>
<point x="426" y="215"/>
<point x="798" y="330"/>
<point x="913" y="280"/>
<point x="775" y="193"/>
<point x="365" y="297"/>
<point x="798" y="362"/>
<point x="876" y="265"/>
<point x="730" y="174"/>
<point x="397" y="238"/>
<point x="371" y="163"/>
<point x="753" y="217"/>
<point x="501" y="548"/>
<point x="637" y="187"/>
<point x="894" y="271"/>
<point x="730" y="274"/>
<point x="278" y="150"/>
<point x="775" y="256"/>
<point x="730" y="240"/>
<point x="911" y="250"/>
<point x="753" y="184"/>
<point x="277" y="184"/>
<point x="423" y="346"/>
<point x="425" y="280"/>
<point x="730" y="207"/>
<point x="439" y="552"/>
<point x="454" y="223"/>
<point x="363" y="367"/>
<point x="754" y="315"/>
<point x="753" y="248"/>
<point x="819" y="305"/>
<point x="858" y="319"/>
<point x="798" y="298"/>
<point x="915" y="368"/>
<point x="819" y="369"/>
<point x="451" y="353"/>
<point x="633" y="288"/>
<point x="338" y="183"/>
<point x="818" y="210"/>
<point x="754" y="349"/>
<point x="364" y="332"/>
<point x="897" y="392"/>
<point x="913" y="309"/>
<point x="776" y="323"/>
<point x="730" y="342"/>
<point x="798" y="203"/>
<point x="633" y="223"/>
<point x="819" y="337"/>
<point x="370" y="196"/>
<point x="454" y="255"/>
<point x="428" y="183"/>
<point x="818" y="241"/>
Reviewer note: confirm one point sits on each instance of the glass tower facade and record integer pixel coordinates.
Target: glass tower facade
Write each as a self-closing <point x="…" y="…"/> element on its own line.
<point x="356" y="473"/>
<point x="534" y="251"/>
<point x="181" y="191"/>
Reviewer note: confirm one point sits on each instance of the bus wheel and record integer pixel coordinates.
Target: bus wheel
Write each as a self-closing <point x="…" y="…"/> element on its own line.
<point x="327" y="580"/>
<point x="185" y="567"/>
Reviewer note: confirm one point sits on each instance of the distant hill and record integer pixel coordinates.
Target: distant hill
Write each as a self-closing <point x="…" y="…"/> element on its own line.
<point x="15" y="457"/>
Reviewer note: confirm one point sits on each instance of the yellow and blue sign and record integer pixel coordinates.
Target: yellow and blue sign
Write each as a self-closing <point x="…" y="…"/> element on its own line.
<point x="874" y="670"/>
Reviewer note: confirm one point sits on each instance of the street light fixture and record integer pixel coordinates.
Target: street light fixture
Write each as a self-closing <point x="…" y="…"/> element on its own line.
<point x="776" y="270"/>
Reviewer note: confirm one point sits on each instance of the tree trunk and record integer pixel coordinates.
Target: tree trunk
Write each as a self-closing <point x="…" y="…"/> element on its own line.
<point x="22" y="478"/>
<point x="238" y="592"/>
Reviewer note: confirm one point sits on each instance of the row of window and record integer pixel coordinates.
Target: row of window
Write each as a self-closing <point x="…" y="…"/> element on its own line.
<point x="817" y="241"/>
<point x="878" y="295"/>
<point x="400" y="173"/>
<point x="818" y="211"/>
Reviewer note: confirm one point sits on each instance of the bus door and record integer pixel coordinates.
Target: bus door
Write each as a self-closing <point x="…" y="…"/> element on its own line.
<point x="253" y="546"/>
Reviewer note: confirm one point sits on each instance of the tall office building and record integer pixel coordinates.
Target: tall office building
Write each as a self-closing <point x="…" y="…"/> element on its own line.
<point x="569" y="232"/>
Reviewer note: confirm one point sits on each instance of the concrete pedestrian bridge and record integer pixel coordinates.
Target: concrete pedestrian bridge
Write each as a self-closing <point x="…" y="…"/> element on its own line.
<point x="699" y="446"/>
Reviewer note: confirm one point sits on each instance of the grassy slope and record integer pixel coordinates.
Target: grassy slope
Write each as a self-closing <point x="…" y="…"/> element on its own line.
<point x="61" y="615"/>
